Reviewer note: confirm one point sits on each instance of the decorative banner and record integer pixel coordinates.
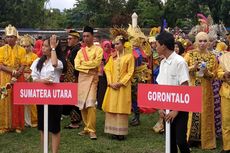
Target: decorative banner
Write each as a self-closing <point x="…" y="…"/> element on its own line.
<point x="40" y="93"/>
<point x="180" y="98"/>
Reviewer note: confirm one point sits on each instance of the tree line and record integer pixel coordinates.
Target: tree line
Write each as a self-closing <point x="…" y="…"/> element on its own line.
<point x="106" y="13"/>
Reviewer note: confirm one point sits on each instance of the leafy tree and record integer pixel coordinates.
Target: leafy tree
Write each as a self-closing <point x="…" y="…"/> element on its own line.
<point x="21" y="13"/>
<point x="150" y="12"/>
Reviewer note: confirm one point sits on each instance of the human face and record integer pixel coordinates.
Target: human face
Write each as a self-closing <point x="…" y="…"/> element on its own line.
<point x="11" y="40"/>
<point x="119" y="46"/>
<point x="72" y="41"/>
<point x="46" y="50"/>
<point x="153" y="45"/>
<point x="107" y="48"/>
<point x="202" y="44"/>
<point x="88" y="38"/>
<point x="176" y="48"/>
<point x="28" y="48"/>
<point x="160" y="48"/>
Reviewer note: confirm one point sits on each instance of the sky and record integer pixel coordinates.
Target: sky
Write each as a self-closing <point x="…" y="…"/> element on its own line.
<point x="61" y="4"/>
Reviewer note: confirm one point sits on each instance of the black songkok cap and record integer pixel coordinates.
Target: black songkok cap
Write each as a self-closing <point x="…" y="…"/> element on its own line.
<point x="88" y="29"/>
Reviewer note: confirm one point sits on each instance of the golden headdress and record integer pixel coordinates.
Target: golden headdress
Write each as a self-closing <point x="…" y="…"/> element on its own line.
<point x="138" y="39"/>
<point x="135" y="32"/>
<point x="118" y="34"/>
<point x="183" y="41"/>
<point x="11" y="31"/>
<point x="154" y="31"/>
<point x="221" y="46"/>
<point x="26" y="40"/>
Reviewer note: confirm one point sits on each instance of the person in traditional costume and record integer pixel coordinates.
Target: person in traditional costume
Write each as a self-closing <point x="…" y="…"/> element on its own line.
<point x="102" y="84"/>
<point x="38" y="46"/>
<point x="202" y="67"/>
<point x="179" y="49"/>
<point x="159" y="126"/>
<point x="48" y="70"/>
<point x="87" y="62"/>
<point x="216" y="84"/>
<point x="30" y="110"/>
<point x="141" y="50"/>
<point x="117" y="101"/>
<point x="2" y="41"/>
<point x="71" y="75"/>
<point x="173" y="71"/>
<point x="12" y="58"/>
<point x="223" y="73"/>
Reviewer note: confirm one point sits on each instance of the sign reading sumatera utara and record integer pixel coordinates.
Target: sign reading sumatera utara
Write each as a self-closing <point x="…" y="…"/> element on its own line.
<point x="180" y="98"/>
<point x="39" y="93"/>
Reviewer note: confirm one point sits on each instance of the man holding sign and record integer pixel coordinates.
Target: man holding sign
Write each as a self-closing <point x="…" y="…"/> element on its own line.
<point x="173" y="71"/>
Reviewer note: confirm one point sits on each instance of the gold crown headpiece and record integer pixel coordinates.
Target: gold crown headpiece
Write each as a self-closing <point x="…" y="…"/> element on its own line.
<point x="183" y="42"/>
<point x="136" y="32"/>
<point x="118" y="33"/>
<point x="26" y="40"/>
<point x="154" y="31"/>
<point x="11" y="31"/>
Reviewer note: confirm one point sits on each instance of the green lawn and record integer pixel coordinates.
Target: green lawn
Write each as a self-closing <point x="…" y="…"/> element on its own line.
<point x="141" y="139"/>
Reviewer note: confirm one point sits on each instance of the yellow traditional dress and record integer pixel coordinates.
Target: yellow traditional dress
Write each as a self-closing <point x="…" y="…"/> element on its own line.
<point x="11" y="116"/>
<point x="201" y="125"/>
<point x="87" y="62"/>
<point x="224" y="66"/>
<point x="30" y="110"/>
<point x="117" y="103"/>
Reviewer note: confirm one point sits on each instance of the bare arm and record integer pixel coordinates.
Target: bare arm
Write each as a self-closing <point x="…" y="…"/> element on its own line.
<point x="53" y="45"/>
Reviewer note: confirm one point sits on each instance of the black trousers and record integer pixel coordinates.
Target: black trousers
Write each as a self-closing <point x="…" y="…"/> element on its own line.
<point x="179" y="133"/>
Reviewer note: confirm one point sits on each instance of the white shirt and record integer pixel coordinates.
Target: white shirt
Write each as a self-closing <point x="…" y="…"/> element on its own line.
<point x="173" y="70"/>
<point x="47" y="72"/>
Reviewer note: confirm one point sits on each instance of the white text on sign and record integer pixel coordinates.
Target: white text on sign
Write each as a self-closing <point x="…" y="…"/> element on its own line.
<point x="169" y="97"/>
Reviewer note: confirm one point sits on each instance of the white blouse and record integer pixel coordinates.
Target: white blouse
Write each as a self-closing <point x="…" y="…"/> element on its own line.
<point x="47" y="72"/>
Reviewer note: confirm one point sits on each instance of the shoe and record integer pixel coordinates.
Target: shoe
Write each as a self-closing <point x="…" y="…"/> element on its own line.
<point x="135" y="122"/>
<point x="83" y="133"/>
<point x="120" y="137"/>
<point x="225" y="151"/>
<point x="18" y="131"/>
<point x="114" y="137"/>
<point x="3" y="131"/>
<point x="71" y="126"/>
<point x="159" y="127"/>
<point x="34" y="125"/>
<point x="92" y="136"/>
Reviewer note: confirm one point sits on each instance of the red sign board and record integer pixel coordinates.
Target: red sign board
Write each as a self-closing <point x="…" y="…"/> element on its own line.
<point x="180" y="98"/>
<point x="39" y="93"/>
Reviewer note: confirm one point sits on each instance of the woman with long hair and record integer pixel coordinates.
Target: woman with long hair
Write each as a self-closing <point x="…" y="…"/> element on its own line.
<point x="48" y="70"/>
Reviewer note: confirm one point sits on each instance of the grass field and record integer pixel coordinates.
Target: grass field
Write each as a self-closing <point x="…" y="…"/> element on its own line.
<point x="141" y="139"/>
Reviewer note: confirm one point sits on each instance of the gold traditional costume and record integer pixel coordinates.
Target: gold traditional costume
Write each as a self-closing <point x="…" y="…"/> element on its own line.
<point x="224" y="66"/>
<point x="117" y="103"/>
<point x="30" y="110"/>
<point x="201" y="125"/>
<point x="11" y="116"/>
<point x="87" y="62"/>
